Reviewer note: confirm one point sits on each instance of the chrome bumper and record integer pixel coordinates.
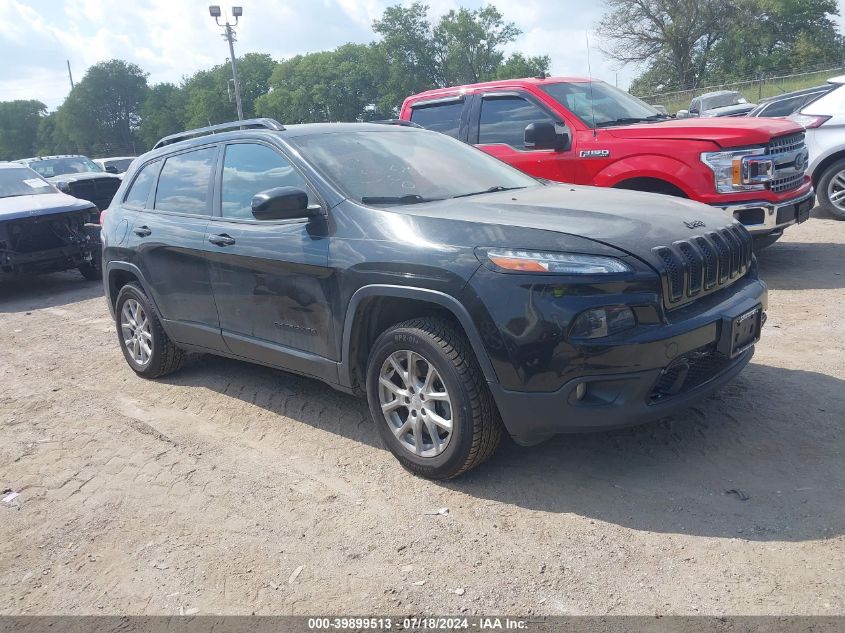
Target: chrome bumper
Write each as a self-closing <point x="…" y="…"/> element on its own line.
<point x="764" y="218"/>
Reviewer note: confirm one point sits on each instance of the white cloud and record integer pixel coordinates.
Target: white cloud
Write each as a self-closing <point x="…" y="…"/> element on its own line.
<point x="173" y="38"/>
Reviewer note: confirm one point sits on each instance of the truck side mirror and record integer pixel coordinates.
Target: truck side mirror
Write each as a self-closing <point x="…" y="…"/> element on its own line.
<point x="682" y="114"/>
<point x="547" y="135"/>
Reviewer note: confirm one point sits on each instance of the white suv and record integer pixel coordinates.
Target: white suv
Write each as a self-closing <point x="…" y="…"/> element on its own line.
<point x="824" y="120"/>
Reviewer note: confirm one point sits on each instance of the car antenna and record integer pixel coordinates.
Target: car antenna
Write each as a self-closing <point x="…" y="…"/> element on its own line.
<point x="590" y="73"/>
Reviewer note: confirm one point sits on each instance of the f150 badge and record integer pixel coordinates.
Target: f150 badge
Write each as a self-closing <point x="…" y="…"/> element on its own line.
<point x="594" y="153"/>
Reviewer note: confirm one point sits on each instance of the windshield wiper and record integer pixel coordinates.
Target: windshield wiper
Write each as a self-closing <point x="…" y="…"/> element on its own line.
<point x="624" y="121"/>
<point x="490" y="190"/>
<point x="410" y="198"/>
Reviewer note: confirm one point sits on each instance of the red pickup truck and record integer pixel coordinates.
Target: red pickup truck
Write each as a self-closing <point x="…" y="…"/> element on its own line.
<point x="588" y="132"/>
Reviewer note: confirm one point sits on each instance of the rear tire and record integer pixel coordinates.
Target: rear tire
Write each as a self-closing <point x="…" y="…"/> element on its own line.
<point x="144" y="343"/>
<point x="421" y="374"/>
<point x="831" y="186"/>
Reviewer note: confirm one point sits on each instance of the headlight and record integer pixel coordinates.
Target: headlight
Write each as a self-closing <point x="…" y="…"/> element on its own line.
<point x="740" y="170"/>
<point x="507" y="260"/>
<point x="599" y="322"/>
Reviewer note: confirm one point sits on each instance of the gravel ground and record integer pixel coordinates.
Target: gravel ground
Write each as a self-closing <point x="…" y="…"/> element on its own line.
<point x="231" y="488"/>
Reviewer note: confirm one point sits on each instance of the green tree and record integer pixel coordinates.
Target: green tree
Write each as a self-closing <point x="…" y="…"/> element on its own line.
<point x="517" y="66"/>
<point x="339" y="85"/>
<point x="19" y="121"/>
<point x="210" y="95"/>
<point x="677" y="34"/>
<point x="468" y="44"/>
<point x="102" y="112"/>
<point x="162" y="113"/>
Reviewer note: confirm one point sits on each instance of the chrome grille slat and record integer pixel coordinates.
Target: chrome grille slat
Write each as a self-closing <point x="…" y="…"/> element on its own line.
<point x="703" y="263"/>
<point x="782" y="145"/>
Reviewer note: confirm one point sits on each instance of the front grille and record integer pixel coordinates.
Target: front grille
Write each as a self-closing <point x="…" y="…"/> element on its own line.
<point x="785" y="184"/>
<point x="704" y="263"/>
<point x="784" y="149"/>
<point x="98" y="191"/>
<point x="688" y="372"/>
<point x="786" y="143"/>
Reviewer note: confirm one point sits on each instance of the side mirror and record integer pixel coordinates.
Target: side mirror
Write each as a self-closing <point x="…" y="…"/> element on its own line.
<point x="682" y="114"/>
<point x="282" y="203"/>
<point x="63" y="186"/>
<point x="111" y="169"/>
<point x="547" y="135"/>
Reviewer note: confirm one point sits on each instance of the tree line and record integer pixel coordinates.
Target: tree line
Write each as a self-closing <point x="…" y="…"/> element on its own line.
<point x="687" y="44"/>
<point x="114" y="110"/>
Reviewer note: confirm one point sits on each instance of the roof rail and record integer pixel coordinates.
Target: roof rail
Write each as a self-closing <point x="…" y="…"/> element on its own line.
<point x="401" y="122"/>
<point x="247" y="124"/>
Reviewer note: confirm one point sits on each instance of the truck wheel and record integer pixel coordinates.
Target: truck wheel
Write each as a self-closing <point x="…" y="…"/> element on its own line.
<point x="145" y="345"/>
<point x="428" y="397"/>
<point x="831" y="190"/>
<point x="92" y="271"/>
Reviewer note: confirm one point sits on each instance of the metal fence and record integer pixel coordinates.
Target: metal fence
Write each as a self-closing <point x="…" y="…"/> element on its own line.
<point x="752" y="89"/>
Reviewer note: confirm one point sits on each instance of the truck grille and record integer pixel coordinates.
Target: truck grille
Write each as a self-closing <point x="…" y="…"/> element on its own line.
<point x="785" y="149"/>
<point x="704" y="263"/>
<point x="688" y="372"/>
<point x="98" y="191"/>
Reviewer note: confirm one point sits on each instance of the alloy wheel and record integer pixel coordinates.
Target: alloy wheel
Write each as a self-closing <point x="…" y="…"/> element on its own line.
<point x="836" y="191"/>
<point x="415" y="403"/>
<point x="137" y="335"/>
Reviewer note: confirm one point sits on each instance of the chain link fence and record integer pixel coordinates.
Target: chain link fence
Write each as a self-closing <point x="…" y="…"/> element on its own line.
<point x="755" y="90"/>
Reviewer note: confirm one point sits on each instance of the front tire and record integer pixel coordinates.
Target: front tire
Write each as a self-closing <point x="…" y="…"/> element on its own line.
<point x="144" y="343"/>
<point x="831" y="190"/>
<point x="429" y="399"/>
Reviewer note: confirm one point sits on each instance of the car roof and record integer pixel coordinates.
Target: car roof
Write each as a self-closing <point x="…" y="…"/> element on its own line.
<point x="289" y="131"/>
<point x="116" y="158"/>
<point x="719" y="93"/>
<point x="12" y="165"/>
<point x="498" y="83"/>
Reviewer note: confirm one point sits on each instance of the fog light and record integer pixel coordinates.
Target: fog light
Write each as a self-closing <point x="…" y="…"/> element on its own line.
<point x="600" y="322"/>
<point x="580" y="391"/>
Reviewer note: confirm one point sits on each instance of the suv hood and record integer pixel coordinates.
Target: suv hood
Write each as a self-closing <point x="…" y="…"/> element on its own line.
<point x="725" y="132"/>
<point x="20" y="207"/>
<point x="630" y="221"/>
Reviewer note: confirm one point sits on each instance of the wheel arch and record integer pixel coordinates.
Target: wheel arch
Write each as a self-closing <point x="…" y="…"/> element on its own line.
<point x="373" y="308"/>
<point x="824" y="163"/>
<point x="117" y="275"/>
<point x="652" y="185"/>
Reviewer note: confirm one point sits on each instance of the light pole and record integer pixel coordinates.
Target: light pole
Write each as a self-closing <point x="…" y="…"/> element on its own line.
<point x="229" y="35"/>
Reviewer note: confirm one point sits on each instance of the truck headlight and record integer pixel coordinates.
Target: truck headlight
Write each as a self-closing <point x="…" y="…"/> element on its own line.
<point x="520" y="261"/>
<point x="740" y="170"/>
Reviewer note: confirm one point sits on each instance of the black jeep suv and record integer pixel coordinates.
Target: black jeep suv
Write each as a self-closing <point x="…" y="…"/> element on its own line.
<point x="462" y="297"/>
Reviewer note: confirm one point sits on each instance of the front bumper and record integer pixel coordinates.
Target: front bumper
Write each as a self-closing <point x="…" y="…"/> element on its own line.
<point x="600" y="400"/>
<point x="766" y="218"/>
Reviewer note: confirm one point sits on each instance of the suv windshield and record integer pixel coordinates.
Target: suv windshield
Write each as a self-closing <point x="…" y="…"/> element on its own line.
<point x="407" y="167"/>
<point x="22" y="182"/>
<point x="49" y="167"/>
<point x="598" y="104"/>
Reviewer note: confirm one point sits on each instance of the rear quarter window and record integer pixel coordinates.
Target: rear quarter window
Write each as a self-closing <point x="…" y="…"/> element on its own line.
<point x="139" y="191"/>
<point x="442" y="117"/>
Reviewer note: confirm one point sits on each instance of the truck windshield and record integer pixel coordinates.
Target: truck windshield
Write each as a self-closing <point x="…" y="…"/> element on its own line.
<point x="49" y="167"/>
<point x="394" y="167"/>
<point x="22" y="182"/>
<point x="598" y="104"/>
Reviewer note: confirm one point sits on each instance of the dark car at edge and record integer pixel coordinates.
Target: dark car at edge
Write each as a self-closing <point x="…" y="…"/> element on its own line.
<point x="462" y="297"/>
<point x="43" y="230"/>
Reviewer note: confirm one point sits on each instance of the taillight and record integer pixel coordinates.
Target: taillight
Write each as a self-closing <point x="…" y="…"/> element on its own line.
<point x="809" y="121"/>
<point x="102" y="216"/>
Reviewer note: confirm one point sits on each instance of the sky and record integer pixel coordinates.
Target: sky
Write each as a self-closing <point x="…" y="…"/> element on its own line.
<point x="170" y="39"/>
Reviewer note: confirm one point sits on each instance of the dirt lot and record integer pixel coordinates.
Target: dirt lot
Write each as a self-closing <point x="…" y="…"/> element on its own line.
<point x="231" y="488"/>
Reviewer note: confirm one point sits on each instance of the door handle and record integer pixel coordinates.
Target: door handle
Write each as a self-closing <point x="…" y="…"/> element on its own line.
<point x="142" y="231"/>
<point x="221" y="240"/>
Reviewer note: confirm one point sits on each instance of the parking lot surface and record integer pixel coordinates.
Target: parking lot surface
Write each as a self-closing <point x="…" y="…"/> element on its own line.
<point x="232" y="488"/>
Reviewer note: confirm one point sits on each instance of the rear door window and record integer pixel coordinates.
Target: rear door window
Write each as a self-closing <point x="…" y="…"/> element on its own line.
<point x="442" y="117"/>
<point x="139" y="192"/>
<point x="184" y="183"/>
<point x="503" y="120"/>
